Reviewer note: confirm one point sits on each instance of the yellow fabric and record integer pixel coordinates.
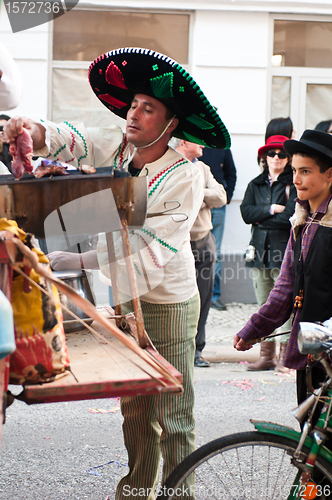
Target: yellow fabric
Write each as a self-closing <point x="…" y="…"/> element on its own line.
<point x="11" y="225"/>
<point x="41" y="351"/>
<point x="28" y="307"/>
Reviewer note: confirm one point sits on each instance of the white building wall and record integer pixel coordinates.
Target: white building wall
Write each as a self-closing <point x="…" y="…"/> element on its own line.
<point x="30" y="50"/>
<point x="230" y="56"/>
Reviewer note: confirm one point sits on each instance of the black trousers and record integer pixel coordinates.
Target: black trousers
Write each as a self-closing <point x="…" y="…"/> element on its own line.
<point x="204" y="251"/>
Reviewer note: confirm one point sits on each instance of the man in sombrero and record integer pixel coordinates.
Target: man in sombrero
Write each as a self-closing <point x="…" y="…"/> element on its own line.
<point x="159" y="99"/>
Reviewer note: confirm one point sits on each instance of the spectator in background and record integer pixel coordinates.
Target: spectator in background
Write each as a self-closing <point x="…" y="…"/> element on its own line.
<point x="223" y="169"/>
<point x="202" y="240"/>
<point x="5" y="156"/>
<point x="324" y="126"/>
<point x="267" y="205"/>
<point x="280" y="126"/>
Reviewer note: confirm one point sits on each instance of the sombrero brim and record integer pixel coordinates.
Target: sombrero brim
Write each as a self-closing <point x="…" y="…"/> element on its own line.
<point x="115" y="77"/>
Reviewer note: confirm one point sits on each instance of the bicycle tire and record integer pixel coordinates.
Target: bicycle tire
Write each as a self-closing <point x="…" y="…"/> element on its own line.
<point x="248" y="465"/>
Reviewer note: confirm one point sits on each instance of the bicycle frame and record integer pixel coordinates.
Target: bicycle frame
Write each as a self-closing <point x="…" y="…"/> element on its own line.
<point x="314" y="443"/>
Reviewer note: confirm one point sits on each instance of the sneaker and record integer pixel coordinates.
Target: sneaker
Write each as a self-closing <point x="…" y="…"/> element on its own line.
<point x="200" y="362"/>
<point x="217" y="304"/>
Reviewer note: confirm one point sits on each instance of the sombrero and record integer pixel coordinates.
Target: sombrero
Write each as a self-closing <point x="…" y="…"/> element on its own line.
<point x="115" y="77"/>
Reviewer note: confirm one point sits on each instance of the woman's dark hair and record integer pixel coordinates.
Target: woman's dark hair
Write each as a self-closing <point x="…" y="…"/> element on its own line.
<point x="324" y="125"/>
<point x="4" y="117"/>
<point x="276" y="126"/>
<point x="279" y="126"/>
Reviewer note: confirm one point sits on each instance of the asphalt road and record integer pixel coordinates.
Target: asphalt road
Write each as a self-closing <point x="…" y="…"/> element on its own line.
<point x="75" y="450"/>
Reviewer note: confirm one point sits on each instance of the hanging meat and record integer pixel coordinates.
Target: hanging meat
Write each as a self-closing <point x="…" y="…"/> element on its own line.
<point x="21" y="150"/>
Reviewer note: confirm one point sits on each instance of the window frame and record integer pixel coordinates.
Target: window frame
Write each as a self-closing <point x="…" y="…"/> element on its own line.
<point x="85" y="64"/>
<point x="298" y="75"/>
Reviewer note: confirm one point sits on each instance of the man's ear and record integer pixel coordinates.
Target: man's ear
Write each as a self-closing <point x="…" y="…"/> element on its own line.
<point x="329" y="174"/>
<point x="173" y="125"/>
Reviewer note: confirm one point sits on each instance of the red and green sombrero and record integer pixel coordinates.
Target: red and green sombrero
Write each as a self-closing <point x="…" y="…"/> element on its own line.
<point x="115" y="77"/>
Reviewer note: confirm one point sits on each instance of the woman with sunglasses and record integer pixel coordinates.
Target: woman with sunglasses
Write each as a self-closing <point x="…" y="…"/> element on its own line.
<point x="267" y="205"/>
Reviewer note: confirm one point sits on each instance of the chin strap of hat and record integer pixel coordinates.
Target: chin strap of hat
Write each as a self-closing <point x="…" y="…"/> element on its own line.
<point x="132" y="154"/>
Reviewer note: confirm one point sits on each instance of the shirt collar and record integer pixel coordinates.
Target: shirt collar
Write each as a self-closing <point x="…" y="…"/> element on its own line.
<point x="322" y="207"/>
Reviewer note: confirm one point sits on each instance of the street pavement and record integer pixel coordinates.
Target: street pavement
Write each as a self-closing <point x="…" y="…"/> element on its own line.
<point x="221" y="327"/>
<point x="75" y="451"/>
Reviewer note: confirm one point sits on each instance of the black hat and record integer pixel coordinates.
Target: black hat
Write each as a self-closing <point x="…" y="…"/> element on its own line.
<point x="115" y="77"/>
<point x="312" y="142"/>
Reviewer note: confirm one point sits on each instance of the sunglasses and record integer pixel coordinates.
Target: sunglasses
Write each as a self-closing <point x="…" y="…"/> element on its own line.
<point x="281" y="155"/>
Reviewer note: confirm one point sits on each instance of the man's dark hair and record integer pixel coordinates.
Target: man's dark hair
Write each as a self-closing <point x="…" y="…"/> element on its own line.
<point x="4" y="117"/>
<point x="323" y="165"/>
<point x="169" y="115"/>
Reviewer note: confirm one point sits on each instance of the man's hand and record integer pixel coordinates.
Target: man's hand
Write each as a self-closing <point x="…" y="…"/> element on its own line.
<point x="14" y="127"/>
<point x="64" y="260"/>
<point x="239" y="344"/>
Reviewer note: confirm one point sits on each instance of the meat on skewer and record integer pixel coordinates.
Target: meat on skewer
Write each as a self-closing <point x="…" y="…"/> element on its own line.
<point x="21" y="150"/>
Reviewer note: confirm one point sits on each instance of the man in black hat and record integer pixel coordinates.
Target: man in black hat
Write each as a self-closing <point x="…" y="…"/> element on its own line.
<point x="304" y="284"/>
<point x="159" y="99"/>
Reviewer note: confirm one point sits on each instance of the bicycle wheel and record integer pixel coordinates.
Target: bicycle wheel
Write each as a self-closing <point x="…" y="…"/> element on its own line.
<point x="248" y="465"/>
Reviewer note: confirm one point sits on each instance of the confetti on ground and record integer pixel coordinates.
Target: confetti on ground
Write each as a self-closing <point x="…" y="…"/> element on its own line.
<point x="46" y="438"/>
<point x="243" y="384"/>
<point x="259" y="399"/>
<point x="243" y="363"/>
<point x="92" y="471"/>
<point x="96" y="410"/>
<point x="270" y="383"/>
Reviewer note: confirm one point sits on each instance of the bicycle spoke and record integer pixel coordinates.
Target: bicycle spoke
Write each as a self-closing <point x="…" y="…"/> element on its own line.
<point x="247" y="466"/>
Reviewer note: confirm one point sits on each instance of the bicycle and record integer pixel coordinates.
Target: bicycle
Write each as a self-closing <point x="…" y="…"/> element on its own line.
<point x="274" y="462"/>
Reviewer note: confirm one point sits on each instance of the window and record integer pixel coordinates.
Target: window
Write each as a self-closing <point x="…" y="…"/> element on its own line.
<point x="301" y="69"/>
<point x="82" y="35"/>
<point x="318" y="104"/>
<point x="302" y="44"/>
<point x="281" y="89"/>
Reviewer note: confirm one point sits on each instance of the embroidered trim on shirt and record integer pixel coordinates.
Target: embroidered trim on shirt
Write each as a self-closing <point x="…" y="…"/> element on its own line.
<point x="120" y="152"/>
<point x="152" y="255"/>
<point x="162" y="242"/>
<point x="137" y="270"/>
<point x="60" y="149"/>
<point x="71" y="148"/>
<point x="154" y="258"/>
<point x="84" y="143"/>
<point x="161" y="176"/>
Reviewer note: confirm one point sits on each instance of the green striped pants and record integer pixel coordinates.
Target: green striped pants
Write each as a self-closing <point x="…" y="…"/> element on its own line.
<point x="162" y="424"/>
